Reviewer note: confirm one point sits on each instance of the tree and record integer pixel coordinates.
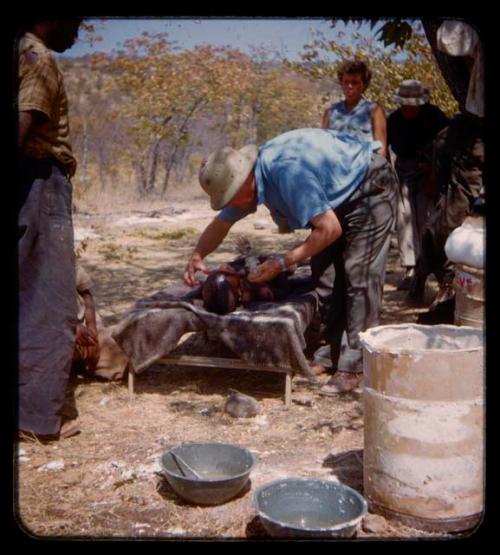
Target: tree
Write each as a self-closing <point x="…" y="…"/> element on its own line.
<point x="398" y="32"/>
<point x="97" y="137"/>
<point x="390" y="65"/>
<point x="281" y="99"/>
<point x="162" y="93"/>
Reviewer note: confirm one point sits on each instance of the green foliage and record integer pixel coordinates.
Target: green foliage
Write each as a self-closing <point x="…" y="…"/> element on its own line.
<point x="150" y="112"/>
<point x="395" y="32"/>
<point x="112" y="251"/>
<point x="389" y="65"/>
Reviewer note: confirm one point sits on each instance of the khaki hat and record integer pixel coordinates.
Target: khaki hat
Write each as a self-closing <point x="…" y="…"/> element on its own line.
<point x="411" y="93"/>
<point x="224" y="171"/>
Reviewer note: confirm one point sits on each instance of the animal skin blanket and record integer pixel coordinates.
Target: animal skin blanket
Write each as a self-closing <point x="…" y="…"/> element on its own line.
<point x="269" y="333"/>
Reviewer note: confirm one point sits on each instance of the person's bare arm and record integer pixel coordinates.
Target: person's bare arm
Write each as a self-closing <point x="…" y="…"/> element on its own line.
<point x="379" y="126"/>
<point x="209" y="240"/>
<point x="326" y="230"/>
<point x="86" y="334"/>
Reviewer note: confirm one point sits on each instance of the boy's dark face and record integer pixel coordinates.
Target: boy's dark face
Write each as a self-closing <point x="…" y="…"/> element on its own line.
<point x="64" y="34"/>
<point x="410" y="112"/>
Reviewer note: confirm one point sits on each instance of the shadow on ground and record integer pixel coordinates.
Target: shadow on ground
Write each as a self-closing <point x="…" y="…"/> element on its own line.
<point x="347" y="467"/>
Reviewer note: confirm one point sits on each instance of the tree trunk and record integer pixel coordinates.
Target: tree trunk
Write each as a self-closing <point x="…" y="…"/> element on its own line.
<point x="182" y="129"/>
<point x="102" y="175"/>
<point x="85" y="154"/>
<point x="154" y="167"/>
<point x="168" y="168"/>
<point x="142" y="183"/>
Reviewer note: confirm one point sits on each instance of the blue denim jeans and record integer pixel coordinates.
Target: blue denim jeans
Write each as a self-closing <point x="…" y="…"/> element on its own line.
<point x="47" y="308"/>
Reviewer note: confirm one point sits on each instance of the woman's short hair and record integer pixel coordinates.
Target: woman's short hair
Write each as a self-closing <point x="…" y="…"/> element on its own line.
<point x="355" y="66"/>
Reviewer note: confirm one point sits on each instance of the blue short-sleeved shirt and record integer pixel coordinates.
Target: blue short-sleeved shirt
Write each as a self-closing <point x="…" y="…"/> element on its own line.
<point x="303" y="173"/>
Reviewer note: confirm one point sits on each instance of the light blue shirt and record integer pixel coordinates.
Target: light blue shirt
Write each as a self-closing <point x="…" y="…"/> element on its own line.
<point x="357" y="122"/>
<point x="303" y="173"/>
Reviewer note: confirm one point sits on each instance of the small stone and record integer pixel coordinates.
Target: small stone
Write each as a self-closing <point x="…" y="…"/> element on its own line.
<point x="239" y="405"/>
<point x="208" y="411"/>
<point x="303" y="402"/>
<point x="374" y="524"/>
<point x="54" y="465"/>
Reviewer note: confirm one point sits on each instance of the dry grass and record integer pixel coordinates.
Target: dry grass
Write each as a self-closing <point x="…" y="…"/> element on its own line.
<point x="108" y="483"/>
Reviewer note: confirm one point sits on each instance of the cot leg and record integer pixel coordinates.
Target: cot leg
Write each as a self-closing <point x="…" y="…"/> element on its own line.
<point x="288" y="390"/>
<point x="131" y="381"/>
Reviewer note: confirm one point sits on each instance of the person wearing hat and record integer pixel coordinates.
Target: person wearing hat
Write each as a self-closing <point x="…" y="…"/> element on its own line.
<point x="411" y="129"/>
<point x="457" y="164"/>
<point x="332" y="184"/>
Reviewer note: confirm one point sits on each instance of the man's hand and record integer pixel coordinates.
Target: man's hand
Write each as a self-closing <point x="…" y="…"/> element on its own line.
<point x="196" y="264"/>
<point x="87" y="345"/>
<point x="85" y="336"/>
<point x="209" y="240"/>
<point x="266" y="271"/>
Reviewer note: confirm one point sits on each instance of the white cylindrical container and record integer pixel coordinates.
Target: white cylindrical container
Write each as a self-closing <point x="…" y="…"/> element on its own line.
<point x="469" y="296"/>
<point x="424" y="424"/>
<point x="465" y="248"/>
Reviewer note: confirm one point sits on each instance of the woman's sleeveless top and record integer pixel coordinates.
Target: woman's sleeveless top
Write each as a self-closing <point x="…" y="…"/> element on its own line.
<point x="357" y="122"/>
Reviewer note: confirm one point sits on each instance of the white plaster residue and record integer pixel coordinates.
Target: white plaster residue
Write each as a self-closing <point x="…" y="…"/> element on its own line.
<point x="82" y="233"/>
<point x="415" y="338"/>
<point x="432" y="422"/>
<point x="446" y="478"/>
<point x="54" y="465"/>
<point x="281" y="315"/>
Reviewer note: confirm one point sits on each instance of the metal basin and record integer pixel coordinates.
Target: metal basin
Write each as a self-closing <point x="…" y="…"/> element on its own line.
<point x="308" y="507"/>
<point x="207" y="473"/>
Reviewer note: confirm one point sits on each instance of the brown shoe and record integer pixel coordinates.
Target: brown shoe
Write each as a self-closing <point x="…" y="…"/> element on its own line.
<point x="341" y="382"/>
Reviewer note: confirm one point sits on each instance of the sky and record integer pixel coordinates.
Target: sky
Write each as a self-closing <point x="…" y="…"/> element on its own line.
<point x="287" y="36"/>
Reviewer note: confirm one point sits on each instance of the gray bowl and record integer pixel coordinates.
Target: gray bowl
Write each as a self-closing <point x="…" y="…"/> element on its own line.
<point x="222" y="469"/>
<point x="309" y="508"/>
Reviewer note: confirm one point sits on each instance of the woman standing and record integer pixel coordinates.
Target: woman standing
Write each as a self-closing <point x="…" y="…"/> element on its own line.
<point x="355" y="115"/>
<point x="365" y="121"/>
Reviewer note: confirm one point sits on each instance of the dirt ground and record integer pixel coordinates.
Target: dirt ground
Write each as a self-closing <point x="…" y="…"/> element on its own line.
<point x="106" y="482"/>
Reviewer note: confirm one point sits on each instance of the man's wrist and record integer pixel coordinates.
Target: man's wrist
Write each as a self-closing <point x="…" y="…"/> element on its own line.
<point x="281" y="261"/>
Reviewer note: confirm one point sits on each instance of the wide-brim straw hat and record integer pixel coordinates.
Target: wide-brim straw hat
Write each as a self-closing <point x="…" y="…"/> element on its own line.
<point x="224" y="171"/>
<point x="411" y="93"/>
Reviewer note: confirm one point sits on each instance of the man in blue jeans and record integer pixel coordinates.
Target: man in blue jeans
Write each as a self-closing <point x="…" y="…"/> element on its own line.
<point x="332" y="184"/>
<point x="47" y="301"/>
